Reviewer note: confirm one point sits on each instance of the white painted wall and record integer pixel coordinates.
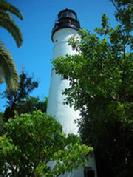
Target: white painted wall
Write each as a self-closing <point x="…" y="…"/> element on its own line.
<point x="64" y="113"/>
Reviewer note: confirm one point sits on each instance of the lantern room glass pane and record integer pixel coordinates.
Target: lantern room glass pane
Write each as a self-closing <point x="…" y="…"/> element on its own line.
<point x="67" y="14"/>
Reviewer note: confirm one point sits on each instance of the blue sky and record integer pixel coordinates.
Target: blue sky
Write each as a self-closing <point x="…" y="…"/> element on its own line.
<point x="39" y="17"/>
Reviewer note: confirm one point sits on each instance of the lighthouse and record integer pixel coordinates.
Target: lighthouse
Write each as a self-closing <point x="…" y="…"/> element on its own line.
<point x="66" y="26"/>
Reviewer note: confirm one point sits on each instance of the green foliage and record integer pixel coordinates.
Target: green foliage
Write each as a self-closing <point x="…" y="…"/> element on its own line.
<point x="105" y="71"/>
<point x="21" y="101"/>
<point x="6" y="147"/>
<point x="101" y="87"/>
<point x="7" y="67"/>
<point x="32" y="141"/>
<point x="7" y="150"/>
<point x="1" y="123"/>
<point x="31" y="104"/>
<point x="124" y="13"/>
<point x="7" y="22"/>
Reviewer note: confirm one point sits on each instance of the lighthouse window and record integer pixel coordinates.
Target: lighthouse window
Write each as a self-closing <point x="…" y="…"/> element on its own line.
<point x="67" y="14"/>
<point x="89" y="172"/>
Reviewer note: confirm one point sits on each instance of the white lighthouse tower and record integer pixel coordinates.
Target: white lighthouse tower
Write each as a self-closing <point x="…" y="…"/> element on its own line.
<point x="66" y="26"/>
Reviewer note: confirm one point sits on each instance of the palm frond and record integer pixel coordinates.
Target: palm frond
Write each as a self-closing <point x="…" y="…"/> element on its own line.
<point x="7" y="22"/>
<point x="7" y="7"/>
<point x="8" y="68"/>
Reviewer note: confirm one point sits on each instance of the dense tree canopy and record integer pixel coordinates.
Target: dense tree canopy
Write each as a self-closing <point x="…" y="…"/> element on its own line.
<point x="101" y="87"/>
<point x="31" y="141"/>
<point x="124" y="13"/>
<point x="20" y="101"/>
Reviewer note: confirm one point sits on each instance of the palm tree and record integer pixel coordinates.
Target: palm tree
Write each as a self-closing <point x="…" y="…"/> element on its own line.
<point x="7" y="67"/>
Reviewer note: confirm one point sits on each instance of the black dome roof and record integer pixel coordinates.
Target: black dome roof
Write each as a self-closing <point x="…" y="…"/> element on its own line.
<point x="67" y="18"/>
